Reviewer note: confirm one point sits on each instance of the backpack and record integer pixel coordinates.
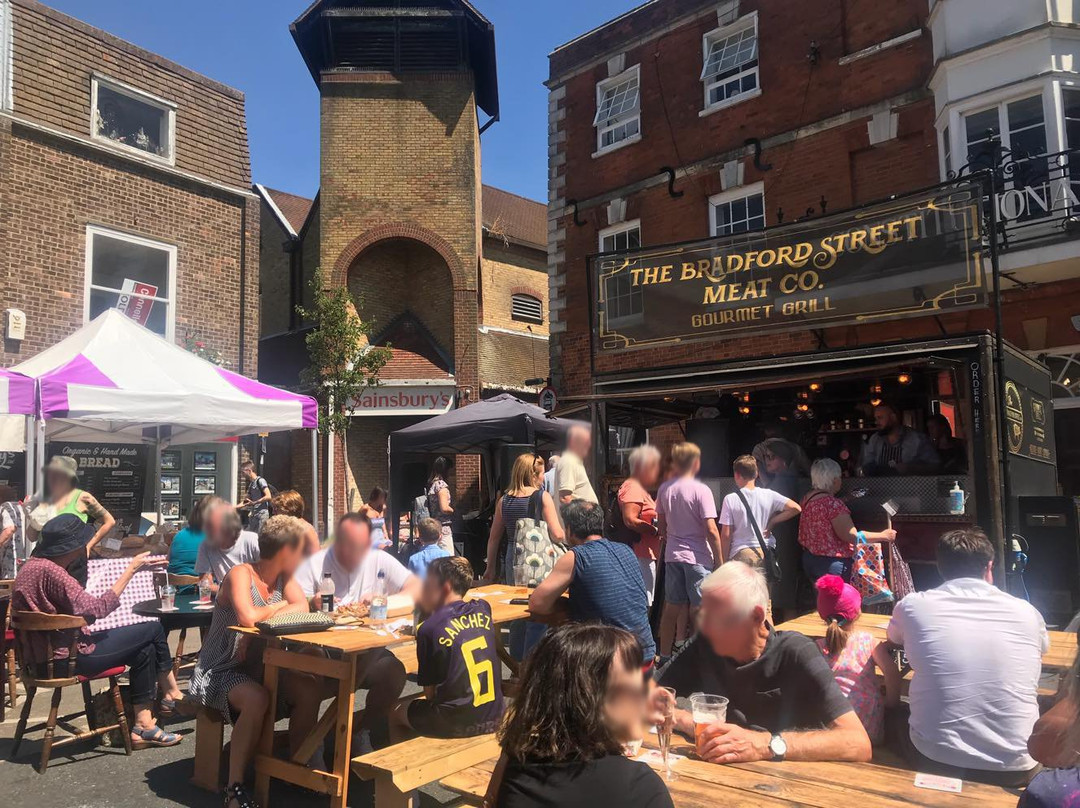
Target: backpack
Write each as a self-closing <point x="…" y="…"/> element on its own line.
<point x="420" y="509"/>
<point x="535" y="553"/>
<point x="615" y="528"/>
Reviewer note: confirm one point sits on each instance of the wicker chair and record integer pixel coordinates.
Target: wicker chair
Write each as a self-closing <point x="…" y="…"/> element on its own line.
<point x="179" y="581"/>
<point x="44" y="675"/>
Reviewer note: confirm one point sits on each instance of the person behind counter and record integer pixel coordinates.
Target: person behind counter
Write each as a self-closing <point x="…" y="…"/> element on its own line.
<point x="896" y="449"/>
<point x="61" y="477"/>
<point x="952" y="451"/>
<point x="826" y="532"/>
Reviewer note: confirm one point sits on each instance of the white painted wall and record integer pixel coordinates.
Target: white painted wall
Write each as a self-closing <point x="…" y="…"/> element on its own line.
<point x="959" y="25"/>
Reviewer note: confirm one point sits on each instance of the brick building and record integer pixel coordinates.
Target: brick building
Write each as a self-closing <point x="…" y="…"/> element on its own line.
<point x="449" y="271"/>
<point x="122" y="171"/>
<point x="688" y="135"/>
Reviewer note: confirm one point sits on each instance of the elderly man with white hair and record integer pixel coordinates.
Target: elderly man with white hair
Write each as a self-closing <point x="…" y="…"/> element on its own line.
<point x="784" y="703"/>
<point x="571" y="481"/>
<point x="826" y="532"/>
<point x="634" y="521"/>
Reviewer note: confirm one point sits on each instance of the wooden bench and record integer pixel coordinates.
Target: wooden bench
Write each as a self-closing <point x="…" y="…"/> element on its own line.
<point x="401" y="769"/>
<point x="407" y="655"/>
<point x="209" y="744"/>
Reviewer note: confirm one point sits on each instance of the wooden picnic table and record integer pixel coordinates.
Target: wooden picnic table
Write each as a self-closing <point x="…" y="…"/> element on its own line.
<point x="334" y="655"/>
<point x="1059" y="658"/>
<point x="775" y="785"/>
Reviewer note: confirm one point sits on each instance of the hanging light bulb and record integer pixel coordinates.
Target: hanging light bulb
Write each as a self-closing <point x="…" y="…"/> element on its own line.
<point x="804" y="408"/>
<point x="815" y="387"/>
<point x="744" y="410"/>
<point x="875" y="402"/>
<point x="904" y="378"/>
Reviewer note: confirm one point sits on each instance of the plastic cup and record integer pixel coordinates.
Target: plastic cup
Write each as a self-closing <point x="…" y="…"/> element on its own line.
<point x="168" y="597"/>
<point x="707" y="710"/>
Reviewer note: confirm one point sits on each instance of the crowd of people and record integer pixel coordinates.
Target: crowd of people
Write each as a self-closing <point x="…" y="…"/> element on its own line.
<point x="596" y="672"/>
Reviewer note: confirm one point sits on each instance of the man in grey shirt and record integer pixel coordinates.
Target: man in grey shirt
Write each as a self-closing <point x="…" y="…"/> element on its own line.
<point x="895" y="449"/>
<point x="226" y="544"/>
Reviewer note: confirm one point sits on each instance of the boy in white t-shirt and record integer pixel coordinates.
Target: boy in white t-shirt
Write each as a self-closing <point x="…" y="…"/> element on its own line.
<point x="738" y="540"/>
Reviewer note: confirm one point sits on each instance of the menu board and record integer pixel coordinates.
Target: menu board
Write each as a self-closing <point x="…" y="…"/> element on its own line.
<point x="13" y="471"/>
<point x="114" y="473"/>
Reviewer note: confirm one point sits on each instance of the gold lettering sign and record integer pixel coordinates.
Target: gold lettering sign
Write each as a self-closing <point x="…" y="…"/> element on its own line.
<point x="908" y="257"/>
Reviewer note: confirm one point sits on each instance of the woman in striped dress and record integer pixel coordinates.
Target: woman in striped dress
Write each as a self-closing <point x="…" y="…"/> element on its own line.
<point x="249" y="594"/>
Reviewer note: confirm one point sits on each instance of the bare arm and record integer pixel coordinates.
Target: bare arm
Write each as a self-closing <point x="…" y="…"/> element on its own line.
<point x="790" y="511"/>
<point x="1049" y="742"/>
<point x="712" y="536"/>
<point x="845" y="530"/>
<point x="845" y="739"/>
<point x="551" y="516"/>
<point x="631" y="516"/>
<point x="547" y="594"/>
<point x="494" y="539"/>
<point x="97" y="513"/>
<point x="444" y="501"/>
<point x="136" y="564"/>
<point x="236" y="588"/>
<point x="725" y="541"/>
<point x="566" y="498"/>
<point x="6" y="535"/>
<point x="294" y="597"/>
<point x="893" y="680"/>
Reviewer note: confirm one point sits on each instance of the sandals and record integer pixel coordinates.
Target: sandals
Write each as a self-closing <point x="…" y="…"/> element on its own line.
<point x="237" y="792"/>
<point x="182" y="707"/>
<point x="155" y="736"/>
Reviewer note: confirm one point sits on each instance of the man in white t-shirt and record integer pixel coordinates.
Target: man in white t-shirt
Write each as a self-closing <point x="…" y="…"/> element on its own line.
<point x="354" y="568"/>
<point x="571" y="480"/>
<point x="226" y="544"/>
<point x="976" y="653"/>
<point x="738" y="540"/>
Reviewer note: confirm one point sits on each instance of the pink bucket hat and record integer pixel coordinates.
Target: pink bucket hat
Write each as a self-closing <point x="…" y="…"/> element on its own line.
<point x="837" y="599"/>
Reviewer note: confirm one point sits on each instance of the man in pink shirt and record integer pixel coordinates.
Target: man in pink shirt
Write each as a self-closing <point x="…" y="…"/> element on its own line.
<point x="687" y="519"/>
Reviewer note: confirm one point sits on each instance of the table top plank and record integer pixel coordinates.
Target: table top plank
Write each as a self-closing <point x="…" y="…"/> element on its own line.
<point x="362" y="639"/>
<point x="822" y="785"/>
<point x="1061" y="655"/>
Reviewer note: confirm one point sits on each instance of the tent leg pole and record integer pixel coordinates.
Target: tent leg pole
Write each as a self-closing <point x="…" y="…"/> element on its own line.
<point x="29" y="426"/>
<point x="39" y="467"/>
<point x="157" y="478"/>
<point x="315" y="479"/>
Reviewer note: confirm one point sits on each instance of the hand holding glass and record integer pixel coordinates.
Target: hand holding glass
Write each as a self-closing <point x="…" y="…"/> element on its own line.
<point x="707" y="710"/>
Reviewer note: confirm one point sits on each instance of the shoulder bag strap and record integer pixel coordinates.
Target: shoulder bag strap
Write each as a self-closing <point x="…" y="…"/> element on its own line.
<point x="536" y="505"/>
<point x="753" y="523"/>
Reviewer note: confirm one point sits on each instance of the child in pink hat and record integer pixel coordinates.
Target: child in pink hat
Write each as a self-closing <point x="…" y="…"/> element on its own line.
<point x="855" y="656"/>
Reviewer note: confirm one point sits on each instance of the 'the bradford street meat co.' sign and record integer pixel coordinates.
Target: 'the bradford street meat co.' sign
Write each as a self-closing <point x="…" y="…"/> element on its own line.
<point x="907" y="257"/>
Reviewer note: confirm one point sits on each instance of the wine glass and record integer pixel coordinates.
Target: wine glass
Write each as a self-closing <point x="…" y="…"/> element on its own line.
<point x="663" y="733"/>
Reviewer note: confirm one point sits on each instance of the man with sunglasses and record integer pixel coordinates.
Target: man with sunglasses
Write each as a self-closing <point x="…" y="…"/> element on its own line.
<point x="784" y="702"/>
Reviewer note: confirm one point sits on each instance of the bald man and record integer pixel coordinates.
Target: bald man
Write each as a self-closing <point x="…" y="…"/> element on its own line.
<point x="570" y="478"/>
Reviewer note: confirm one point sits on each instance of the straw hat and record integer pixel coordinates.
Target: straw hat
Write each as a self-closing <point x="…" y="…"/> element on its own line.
<point x="63" y="465"/>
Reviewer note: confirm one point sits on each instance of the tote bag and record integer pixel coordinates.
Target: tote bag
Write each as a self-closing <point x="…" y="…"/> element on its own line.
<point x="899" y="574"/>
<point x="868" y="573"/>
<point x="535" y="553"/>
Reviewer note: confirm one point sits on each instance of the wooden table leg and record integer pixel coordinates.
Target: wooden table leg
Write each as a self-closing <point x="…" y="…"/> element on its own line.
<point x="346" y="699"/>
<point x="504" y="655"/>
<point x="266" y="742"/>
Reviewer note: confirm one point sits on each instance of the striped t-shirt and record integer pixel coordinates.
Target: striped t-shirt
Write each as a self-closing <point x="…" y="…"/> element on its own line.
<point x="607" y="587"/>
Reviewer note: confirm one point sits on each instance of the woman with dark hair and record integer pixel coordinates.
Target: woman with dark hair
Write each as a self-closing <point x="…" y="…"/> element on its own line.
<point x="375" y="510"/>
<point x="582" y="698"/>
<point x="185" y="544"/>
<point x="438" y="501"/>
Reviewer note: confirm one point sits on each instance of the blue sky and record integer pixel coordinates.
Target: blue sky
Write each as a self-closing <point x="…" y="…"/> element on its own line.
<point x="246" y="44"/>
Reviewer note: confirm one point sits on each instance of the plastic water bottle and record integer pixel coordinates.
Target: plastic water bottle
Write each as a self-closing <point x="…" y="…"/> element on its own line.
<point x="326" y="594"/>
<point x="378" y="599"/>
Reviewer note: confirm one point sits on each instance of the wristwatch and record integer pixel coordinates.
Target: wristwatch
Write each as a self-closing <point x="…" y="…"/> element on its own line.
<point x="778" y="747"/>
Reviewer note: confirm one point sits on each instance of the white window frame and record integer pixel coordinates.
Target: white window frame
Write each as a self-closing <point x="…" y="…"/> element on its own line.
<point x="7" y="57"/>
<point x="723" y="32"/>
<point x="732" y="194"/>
<point x="529" y="300"/>
<point x="164" y="105"/>
<point x="601" y="129"/>
<point x="88" y="274"/>
<point x="614" y="230"/>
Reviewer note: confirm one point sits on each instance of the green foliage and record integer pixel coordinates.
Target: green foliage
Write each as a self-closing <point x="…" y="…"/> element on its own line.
<point x="343" y="364"/>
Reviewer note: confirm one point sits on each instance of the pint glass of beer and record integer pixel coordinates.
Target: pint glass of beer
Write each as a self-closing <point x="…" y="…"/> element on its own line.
<point x="707" y="710"/>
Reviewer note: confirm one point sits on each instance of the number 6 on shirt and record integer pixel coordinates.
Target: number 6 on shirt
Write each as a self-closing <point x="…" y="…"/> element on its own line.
<point x="482" y="693"/>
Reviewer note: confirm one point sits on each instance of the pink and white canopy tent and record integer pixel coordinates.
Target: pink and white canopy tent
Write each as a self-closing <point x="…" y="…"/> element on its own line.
<point x="116" y="381"/>
<point x="16" y="393"/>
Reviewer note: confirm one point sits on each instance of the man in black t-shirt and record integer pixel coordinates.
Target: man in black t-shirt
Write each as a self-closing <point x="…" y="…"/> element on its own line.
<point x="783" y="700"/>
<point x="459" y="667"/>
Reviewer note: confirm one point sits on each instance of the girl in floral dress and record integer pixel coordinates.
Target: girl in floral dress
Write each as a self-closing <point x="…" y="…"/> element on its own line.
<point x="855" y="656"/>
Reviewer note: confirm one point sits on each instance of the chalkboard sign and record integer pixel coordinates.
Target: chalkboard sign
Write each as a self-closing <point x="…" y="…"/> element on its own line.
<point x="114" y="473"/>
<point x="13" y="471"/>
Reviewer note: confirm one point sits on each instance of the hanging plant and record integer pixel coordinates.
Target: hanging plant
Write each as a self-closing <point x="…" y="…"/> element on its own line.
<point x="197" y="345"/>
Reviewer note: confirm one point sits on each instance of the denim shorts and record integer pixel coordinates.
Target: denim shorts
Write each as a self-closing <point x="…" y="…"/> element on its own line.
<point x="682" y="583"/>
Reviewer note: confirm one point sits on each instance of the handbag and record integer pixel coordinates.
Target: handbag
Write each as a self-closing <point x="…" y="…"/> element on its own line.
<point x="899" y="574"/>
<point x="771" y="564"/>
<point x="615" y="529"/>
<point x="868" y="572"/>
<point x="535" y="553"/>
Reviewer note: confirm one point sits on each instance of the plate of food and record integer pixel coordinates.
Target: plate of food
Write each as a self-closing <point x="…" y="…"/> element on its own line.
<point x="351" y="614"/>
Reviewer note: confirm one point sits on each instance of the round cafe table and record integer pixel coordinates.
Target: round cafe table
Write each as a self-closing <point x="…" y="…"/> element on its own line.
<point x="185" y="616"/>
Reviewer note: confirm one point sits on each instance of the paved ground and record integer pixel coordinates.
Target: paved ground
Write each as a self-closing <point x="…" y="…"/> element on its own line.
<point x="89" y="776"/>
